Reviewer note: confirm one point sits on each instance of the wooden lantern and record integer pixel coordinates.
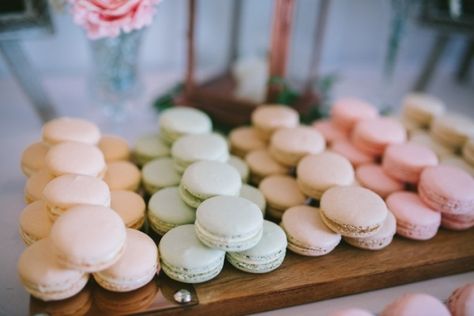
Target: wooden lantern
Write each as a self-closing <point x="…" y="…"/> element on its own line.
<point x="216" y="96"/>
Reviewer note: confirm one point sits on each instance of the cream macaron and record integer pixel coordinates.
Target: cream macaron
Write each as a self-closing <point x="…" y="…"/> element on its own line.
<point x="240" y="166"/>
<point x="381" y="239"/>
<point x="262" y="164"/>
<point x="122" y="175"/>
<point x="192" y="148"/>
<point x="46" y="278"/>
<point x="70" y="190"/>
<point x="114" y="148"/>
<point x="318" y="173"/>
<point x="180" y="121"/>
<point x="34" y="223"/>
<point x="452" y="130"/>
<point x="130" y="206"/>
<point x="66" y="129"/>
<point x="158" y="174"/>
<point x="422" y="108"/>
<point x="244" y="139"/>
<point x="269" y="117"/>
<point x="75" y="158"/>
<point x="149" y="147"/>
<point x="33" y="158"/>
<point x="136" y="267"/>
<point x="35" y="185"/>
<point x="353" y="211"/>
<point x="289" y="145"/>
<point x="254" y="195"/>
<point x="88" y="238"/>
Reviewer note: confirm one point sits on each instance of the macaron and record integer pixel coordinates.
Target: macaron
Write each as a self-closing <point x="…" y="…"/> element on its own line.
<point x="422" y="108"/>
<point x="130" y="206"/>
<point x="88" y="238"/>
<point x="35" y="185"/>
<point x="185" y="259"/>
<point x="415" y="219"/>
<point x="346" y="112"/>
<point x="306" y="232"/>
<point x="373" y="177"/>
<point x="266" y="256"/>
<point x="374" y="135"/>
<point x="356" y="156"/>
<point x="65" y="129"/>
<point x="136" y="267"/>
<point x="353" y="211"/>
<point x="150" y="147"/>
<point x="192" y="148"/>
<point x="205" y="179"/>
<point x="281" y="192"/>
<point x="461" y="301"/>
<point x="380" y="240"/>
<point x="405" y="162"/>
<point x="158" y="174"/>
<point x="269" y="117"/>
<point x="317" y="173"/>
<point x="114" y="148"/>
<point x="262" y="164"/>
<point x="70" y="190"/>
<point x="351" y="312"/>
<point x="75" y="158"/>
<point x="44" y="277"/>
<point x="468" y="152"/>
<point x="423" y="138"/>
<point x="458" y="162"/>
<point x="452" y="130"/>
<point x="245" y="139"/>
<point x="457" y="221"/>
<point x="330" y="131"/>
<point x="447" y="189"/>
<point x="289" y="145"/>
<point x="34" y="223"/>
<point x="254" y="195"/>
<point x="419" y="304"/>
<point x="180" y="121"/>
<point x="166" y="210"/>
<point x="229" y="223"/>
<point x="122" y="175"/>
<point x="240" y="166"/>
<point x="33" y="158"/>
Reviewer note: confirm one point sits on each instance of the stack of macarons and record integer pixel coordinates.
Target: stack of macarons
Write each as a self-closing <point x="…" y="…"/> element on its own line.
<point x="459" y="303"/>
<point x="81" y="201"/>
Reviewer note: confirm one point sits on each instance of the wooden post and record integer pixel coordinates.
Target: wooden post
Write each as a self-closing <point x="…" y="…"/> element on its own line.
<point x="279" y="45"/>
<point x="189" y="83"/>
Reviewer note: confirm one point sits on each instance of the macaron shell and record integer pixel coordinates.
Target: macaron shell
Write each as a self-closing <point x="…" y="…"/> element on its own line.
<point x="262" y="164"/>
<point x="240" y="166"/>
<point x="416" y="304"/>
<point x="122" y="175"/>
<point x="307" y="234"/>
<point x="130" y="206"/>
<point x="253" y="195"/>
<point x="456" y="161"/>
<point x="422" y="108"/>
<point x="270" y="117"/>
<point x="346" y="112"/>
<point x="374" y="135"/>
<point x="179" y="121"/>
<point x="88" y="238"/>
<point x="70" y="129"/>
<point x="423" y="138"/>
<point x="457" y="221"/>
<point x="34" y="223"/>
<point x="380" y="240"/>
<point x="245" y="139"/>
<point x="114" y="148"/>
<point x="281" y="192"/>
<point x="330" y="131"/>
<point x="461" y="301"/>
<point x="159" y="173"/>
<point x="149" y="147"/>
<point x="415" y="219"/>
<point x="44" y="277"/>
<point x="352" y="153"/>
<point x="33" y="158"/>
<point x="35" y="185"/>
<point x="135" y="268"/>
<point x="374" y="178"/>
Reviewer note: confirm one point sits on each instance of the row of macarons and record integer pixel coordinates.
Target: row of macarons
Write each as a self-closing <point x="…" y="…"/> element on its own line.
<point x="459" y="303"/>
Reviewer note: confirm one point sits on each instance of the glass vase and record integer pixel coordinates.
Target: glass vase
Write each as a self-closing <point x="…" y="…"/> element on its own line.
<point x="115" y="81"/>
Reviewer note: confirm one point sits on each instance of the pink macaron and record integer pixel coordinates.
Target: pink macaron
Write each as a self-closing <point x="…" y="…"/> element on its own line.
<point x="447" y="189"/>
<point x="346" y="112"/>
<point x="330" y="131"/>
<point x="461" y="301"/>
<point x="457" y="221"/>
<point x="356" y="156"/>
<point x="418" y="304"/>
<point x="405" y="162"/>
<point x="373" y="136"/>
<point x="415" y="219"/>
<point x="373" y="177"/>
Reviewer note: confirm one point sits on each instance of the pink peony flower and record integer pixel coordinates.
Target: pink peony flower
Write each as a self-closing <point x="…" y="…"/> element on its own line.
<point x="107" y="18"/>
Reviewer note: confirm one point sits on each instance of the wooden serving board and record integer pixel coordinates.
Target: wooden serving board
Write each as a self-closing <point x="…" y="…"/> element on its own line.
<point x="299" y="280"/>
